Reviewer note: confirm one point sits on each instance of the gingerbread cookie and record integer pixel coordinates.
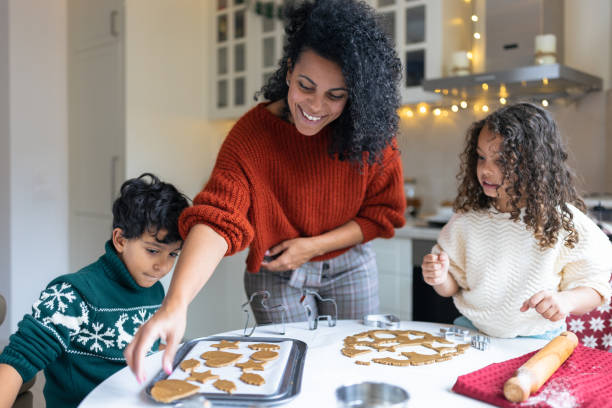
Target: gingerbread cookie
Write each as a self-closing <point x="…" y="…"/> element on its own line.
<point x="353" y="352"/>
<point x="225" y="386"/>
<point x="362" y="362"/>
<point x="264" y="355"/>
<point x="225" y="344"/>
<point x="391" y="361"/>
<point x="251" y="365"/>
<point x="202" y="377"/>
<point x="422" y="359"/>
<point x="220" y="358"/>
<point x="189" y="365"/>
<point x="264" y="346"/>
<point x="252" y="379"/>
<point x="172" y="390"/>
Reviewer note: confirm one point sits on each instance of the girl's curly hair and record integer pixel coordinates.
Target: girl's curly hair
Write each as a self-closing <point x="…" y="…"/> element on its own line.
<point x="346" y="32"/>
<point x="533" y="158"/>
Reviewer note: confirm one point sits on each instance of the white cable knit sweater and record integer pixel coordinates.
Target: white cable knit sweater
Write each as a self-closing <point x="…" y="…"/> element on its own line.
<point x="498" y="264"/>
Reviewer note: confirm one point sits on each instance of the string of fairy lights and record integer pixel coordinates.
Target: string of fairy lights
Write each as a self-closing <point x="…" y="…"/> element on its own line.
<point x="460" y="102"/>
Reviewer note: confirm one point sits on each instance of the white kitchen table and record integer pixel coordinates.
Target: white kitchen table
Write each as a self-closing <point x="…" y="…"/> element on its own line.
<point x="326" y="368"/>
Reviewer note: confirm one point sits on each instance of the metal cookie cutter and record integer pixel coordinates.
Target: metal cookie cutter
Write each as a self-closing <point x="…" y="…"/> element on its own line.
<point x="383" y="321"/>
<point x="265" y="296"/>
<point x="479" y="341"/>
<point x="313" y="319"/>
<point x="455" y="333"/>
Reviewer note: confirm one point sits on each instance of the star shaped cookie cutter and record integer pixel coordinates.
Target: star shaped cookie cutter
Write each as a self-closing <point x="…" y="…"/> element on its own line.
<point x="313" y="318"/>
<point x="264" y="302"/>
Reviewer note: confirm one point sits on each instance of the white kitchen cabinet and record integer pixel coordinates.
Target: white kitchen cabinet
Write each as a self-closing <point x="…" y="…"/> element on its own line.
<point x="96" y="122"/>
<point x="425" y="34"/>
<point x="394" y="260"/>
<point x="245" y="51"/>
<point x="247" y="46"/>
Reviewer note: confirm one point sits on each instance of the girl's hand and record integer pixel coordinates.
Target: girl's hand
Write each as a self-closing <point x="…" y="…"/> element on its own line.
<point x="551" y="305"/>
<point x="291" y="254"/>
<point x="435" y="268"/>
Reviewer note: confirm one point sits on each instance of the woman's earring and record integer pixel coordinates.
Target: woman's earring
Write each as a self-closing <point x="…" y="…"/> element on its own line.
<point x="288" y="82"/>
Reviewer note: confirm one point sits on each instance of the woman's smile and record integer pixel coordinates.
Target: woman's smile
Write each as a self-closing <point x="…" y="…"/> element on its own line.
<point x="310" y="118"/>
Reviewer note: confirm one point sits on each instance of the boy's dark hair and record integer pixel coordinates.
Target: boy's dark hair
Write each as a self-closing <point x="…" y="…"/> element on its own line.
<point x="147" y="204"/>
<point x="533" y="157"/>
<point x="346" y="32"/>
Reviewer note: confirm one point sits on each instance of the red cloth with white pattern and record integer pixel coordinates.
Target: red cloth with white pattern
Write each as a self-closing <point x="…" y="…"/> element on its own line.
<point x="584" y="380"/>
<point x="594" y="329"/>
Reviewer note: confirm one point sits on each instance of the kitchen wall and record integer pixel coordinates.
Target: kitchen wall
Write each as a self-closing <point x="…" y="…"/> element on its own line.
<point x="167" y="63"/>
<point x="166" y="93"/>
<point x="431" y="145"/>
<point x="33" y="151"/>
<point x="5" y="161"/>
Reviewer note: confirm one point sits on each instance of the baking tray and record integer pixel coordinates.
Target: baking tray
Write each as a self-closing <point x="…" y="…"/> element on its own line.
<point x="290" y="380"/>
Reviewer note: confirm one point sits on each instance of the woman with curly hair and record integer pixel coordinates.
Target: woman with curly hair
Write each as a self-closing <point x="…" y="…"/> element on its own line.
<point x="520" y="254"/>
<point x="304" y="180"/>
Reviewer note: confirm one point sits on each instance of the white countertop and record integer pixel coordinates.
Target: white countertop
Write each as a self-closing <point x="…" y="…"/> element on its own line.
<point x="417" y="229"/>
<point x="326" y="368"/>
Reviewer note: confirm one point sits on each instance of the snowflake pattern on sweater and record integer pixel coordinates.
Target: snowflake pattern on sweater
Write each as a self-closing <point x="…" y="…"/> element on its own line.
<point x="84" y="328"/>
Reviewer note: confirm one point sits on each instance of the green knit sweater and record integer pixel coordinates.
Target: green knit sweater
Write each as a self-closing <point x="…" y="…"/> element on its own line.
<point x="79" y="328"/>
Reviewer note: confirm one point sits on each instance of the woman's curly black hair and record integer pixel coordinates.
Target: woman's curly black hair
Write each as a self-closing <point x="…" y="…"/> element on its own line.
<point x="533" y="158"/>
<point x="147" y="204"/>
<point x="346" y="32"/>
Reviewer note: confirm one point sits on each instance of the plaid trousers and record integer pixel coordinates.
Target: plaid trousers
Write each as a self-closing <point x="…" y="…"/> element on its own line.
<point x="351" y="279"/>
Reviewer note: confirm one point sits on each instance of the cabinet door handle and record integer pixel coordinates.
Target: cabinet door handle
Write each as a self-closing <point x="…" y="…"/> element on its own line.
<point x="113" y="185"/>
<point x="113" y="23"/>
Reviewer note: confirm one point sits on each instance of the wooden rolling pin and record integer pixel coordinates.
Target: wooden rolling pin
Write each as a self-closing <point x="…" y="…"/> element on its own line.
<point x="531" y="375"/>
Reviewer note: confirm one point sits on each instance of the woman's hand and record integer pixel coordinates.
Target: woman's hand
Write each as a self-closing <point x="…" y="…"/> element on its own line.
<point x="165" y="324"/>
<point x="553" y="306"/>
<point x="292" y="254"/>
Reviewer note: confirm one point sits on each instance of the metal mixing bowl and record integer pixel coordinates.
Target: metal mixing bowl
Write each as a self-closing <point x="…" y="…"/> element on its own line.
<point x="372" y="395"/>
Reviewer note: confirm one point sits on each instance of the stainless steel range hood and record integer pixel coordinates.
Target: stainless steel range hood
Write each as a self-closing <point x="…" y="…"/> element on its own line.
<point x="508" y="53"/>
<point x="536" y="81"/>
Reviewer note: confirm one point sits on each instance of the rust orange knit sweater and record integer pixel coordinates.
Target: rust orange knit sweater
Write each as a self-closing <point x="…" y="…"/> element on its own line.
<point x="271" y="183"/>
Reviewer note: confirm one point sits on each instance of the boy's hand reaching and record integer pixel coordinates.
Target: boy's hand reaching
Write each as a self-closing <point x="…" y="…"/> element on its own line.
<point x="551" y="305"/>
<point x="435" y="268"/>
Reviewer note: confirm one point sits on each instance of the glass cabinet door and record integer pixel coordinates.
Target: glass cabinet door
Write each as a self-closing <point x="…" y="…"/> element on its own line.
<point x="408" y="25"/>
<point x="230" y="52"/>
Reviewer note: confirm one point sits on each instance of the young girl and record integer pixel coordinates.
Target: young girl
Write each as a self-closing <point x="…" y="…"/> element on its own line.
<point x="519" y="255"/>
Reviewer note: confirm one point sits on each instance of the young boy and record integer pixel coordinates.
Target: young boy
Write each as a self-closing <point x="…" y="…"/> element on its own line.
<point x="82" y="321"/>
